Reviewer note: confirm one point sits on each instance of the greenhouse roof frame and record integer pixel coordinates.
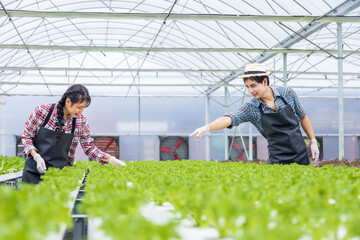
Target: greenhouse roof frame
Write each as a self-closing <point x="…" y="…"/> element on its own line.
<point x="144" y="49"/>
<point x="312" y="27"/>
<point x="161" y="16"/>
<point x="203" y="46"/>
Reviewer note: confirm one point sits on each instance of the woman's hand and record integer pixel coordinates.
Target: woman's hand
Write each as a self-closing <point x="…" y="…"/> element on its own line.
<point x="40" y="163"/>
<point x="117" y="162"/>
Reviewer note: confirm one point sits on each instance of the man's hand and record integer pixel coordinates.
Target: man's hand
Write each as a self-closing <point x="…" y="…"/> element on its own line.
<point x="198" y="133"/>
<point x="40" y="163"/>
<point x="314" y="149"/>
<point x="116" y="162"/>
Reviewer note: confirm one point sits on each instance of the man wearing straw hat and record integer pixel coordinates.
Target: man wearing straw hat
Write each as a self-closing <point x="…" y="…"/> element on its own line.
<point x="276" y="113"/>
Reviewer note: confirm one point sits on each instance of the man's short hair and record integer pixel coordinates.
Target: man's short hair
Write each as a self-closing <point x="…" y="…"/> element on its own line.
<point x="258" y="79"/>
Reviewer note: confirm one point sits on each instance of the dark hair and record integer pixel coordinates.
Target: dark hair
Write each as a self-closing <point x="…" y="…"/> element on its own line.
<point x="77" y="93"/>
<point x="258" y="79"/>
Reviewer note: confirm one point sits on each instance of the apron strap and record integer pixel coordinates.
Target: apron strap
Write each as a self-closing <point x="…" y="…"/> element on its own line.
<point x="260" y="109"/>
<point x="73" y="125"/>
<point x="282" y="99"/>
<point x="49" y="115"/>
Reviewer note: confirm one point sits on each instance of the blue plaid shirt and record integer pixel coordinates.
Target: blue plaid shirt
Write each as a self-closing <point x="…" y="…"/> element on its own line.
<point x="250" y="112"/>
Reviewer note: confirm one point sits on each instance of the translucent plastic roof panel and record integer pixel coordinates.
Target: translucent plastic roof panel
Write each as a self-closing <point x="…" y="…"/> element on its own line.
<point x="184" y="47"/>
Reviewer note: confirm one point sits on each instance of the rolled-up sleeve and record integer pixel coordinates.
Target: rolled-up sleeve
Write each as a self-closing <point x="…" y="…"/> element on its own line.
<point x="32" y="126"/>
<point x="240" y="116"/>
<point x="299" y="109"/>
<point x="87" y="144"/>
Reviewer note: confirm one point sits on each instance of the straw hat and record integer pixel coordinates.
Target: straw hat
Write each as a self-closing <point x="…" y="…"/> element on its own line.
<point x="254" y="69"/>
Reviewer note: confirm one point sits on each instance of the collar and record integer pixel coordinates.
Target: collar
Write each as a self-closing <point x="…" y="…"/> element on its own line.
<point x="276" y="92"/>
<point x="257" y="102"/>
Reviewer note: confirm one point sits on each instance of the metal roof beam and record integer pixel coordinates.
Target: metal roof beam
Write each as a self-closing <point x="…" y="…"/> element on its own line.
<point x="168" y="96"/>
<point x="176" y="16"/>
<point x="160" y="85"/>
<point x="145" y="49"/>
<point x="154" y="70"/>
<point x="342" y="9"/>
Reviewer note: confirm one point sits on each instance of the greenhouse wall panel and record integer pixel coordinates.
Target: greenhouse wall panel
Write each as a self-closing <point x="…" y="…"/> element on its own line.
<point x="171" y="116"/>
<point x="351" y="147"/>
<point x="197" y="149"/>
<point x="7" y="145"/>
<point x="331" y="147"/>
<point x="217" y="148"/>
<point x="262" y="151"/>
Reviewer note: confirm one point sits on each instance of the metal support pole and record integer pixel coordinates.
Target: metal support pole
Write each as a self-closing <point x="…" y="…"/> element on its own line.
<point x="250" y="142"/>
<point x="3" y="131"/>
<point x="207" y="120"/>
<point x="285" y="69"/>
<point x="340" y="91"/>
<point x="139" y="130"/>
<point x="225" y="130"/>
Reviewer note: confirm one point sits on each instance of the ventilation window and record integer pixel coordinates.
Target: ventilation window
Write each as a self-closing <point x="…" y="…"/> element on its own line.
<point x="174" y="148"/>
<point x="237" y="152"/>
<point x="108" y="144"/>
<point x="19" y="147"/>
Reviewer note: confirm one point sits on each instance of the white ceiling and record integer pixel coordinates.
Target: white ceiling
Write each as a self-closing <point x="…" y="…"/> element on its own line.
<point x="185" y="47"/>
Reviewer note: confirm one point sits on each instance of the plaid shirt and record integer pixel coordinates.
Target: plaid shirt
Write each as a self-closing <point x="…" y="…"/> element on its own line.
<point x="81" y="133"/>
<point x="250" y="112"/>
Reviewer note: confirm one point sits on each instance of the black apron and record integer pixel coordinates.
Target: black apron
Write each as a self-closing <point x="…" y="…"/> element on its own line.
<point x="54" y="153"/>
<point x="285" y="142"/>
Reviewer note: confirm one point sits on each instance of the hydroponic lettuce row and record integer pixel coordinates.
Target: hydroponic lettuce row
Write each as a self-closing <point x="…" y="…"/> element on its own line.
<point x="242" y="201"/>
<point x="319" y="163"/>
<point x="11" y="164"/>
<point x="110" y="197"/>
<point x="34" y="211"/>
<point x="337" y="162"/>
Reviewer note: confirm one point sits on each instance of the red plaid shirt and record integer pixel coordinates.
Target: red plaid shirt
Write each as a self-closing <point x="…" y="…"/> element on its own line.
<point x="81" y="133"/>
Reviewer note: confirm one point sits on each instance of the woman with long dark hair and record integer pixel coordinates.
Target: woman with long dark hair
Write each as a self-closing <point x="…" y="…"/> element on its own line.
<point x="53" y="132"/>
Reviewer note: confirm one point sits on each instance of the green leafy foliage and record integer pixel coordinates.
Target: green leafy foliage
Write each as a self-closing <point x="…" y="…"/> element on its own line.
<point x="36" y="210"/>
<point x="109" y="197"/>
<point x="242" y="201"/>
<point x="11" y="164"/>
